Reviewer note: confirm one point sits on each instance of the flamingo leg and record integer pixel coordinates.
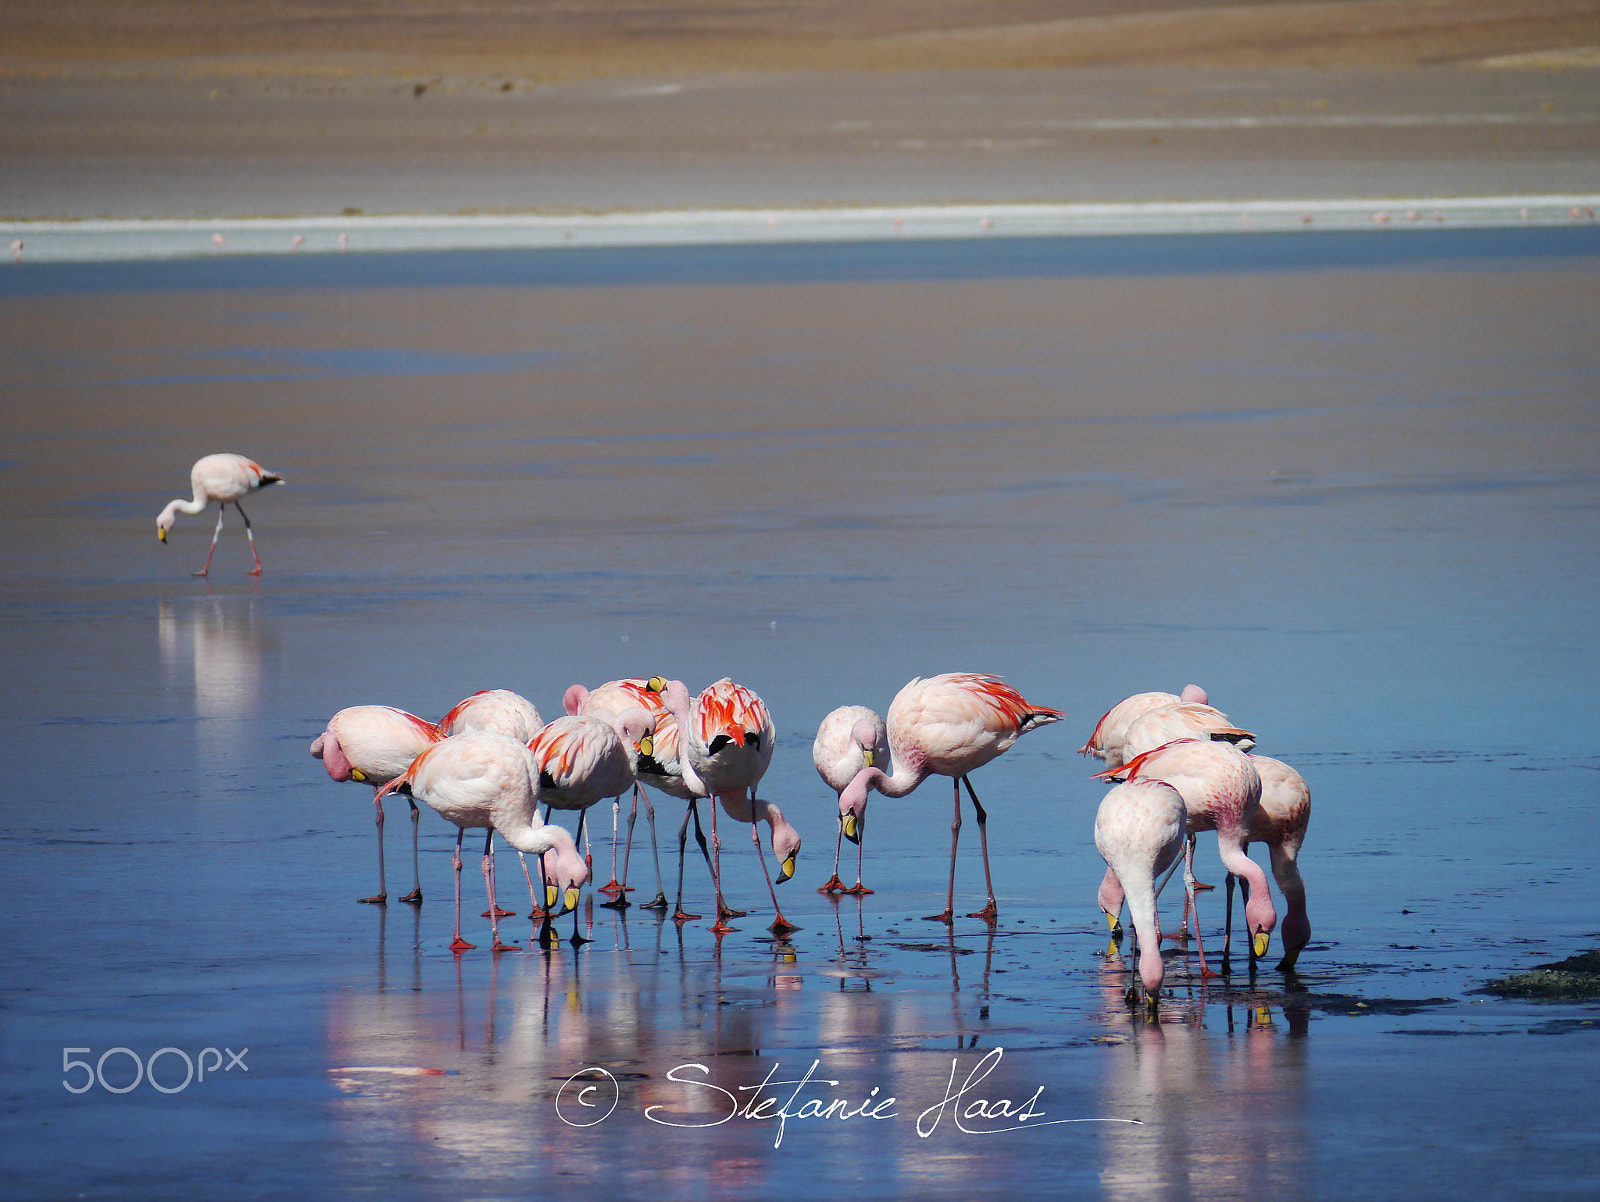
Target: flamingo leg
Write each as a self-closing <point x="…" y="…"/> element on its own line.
<point x="414" y="898"/>
<point x="1189" y="886"/>
<point x="833" y="884"/>
<point x="858" y="889"/>
<point x="683" y="842"/>
<point x="382" y="895"/>
<point x="612" y="886"/>
<point x="251" y="535"/>
<point x="547" y="930"/>
<point x="620" y="901"/>
<point x="538" y="901"/>
<point x="1227" y="925"/>
<point x="948" y="917"/>
<point x="458" y="944"/>
<point x="215" y="534"/>
<point x="659" y="901"/>
<point x="1182" y="934"/>
<point x="723" y="912"/>
<point x="780" y="925"/>
<point x="494" y="907"/>
<point x="990" y="910"/>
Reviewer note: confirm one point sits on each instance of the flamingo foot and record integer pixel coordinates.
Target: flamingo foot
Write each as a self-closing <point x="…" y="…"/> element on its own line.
<point x="944" y="918"/>
<point x="414" y="898"/>
<point x="1207" y="975"/>
<point x="681" y="916"/>
<point x="619" y="902"/>
<point x="504" y="947"/>
<point x="498" y="913"/>
<point x="611" y="886"/>
<point x="989" y="913"/>
<point x="458" y="944"/>
<point x="377" y="899"/>
<point x="537" y="914"/>
<point x="833" y="885"/>
<point x="1199" y="888"/>
<point x="253" y="572"/>
<point x="859" y="890"/>
<point x="726" y="911"/>
<point x="658" y="902"/>
<point x="722" y="928"/>
<point x="199" y="573"/>
<point x="782" y="926"/>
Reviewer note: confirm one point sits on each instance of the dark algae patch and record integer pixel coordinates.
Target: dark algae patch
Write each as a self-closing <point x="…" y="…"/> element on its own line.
<point x="1575" y="978"/>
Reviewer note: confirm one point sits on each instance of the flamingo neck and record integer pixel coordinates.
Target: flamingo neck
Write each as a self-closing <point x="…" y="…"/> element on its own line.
<point x="1259" y="911"/>
<point x="905" y="776"/>
<point x="1147" y="924"/>
<point x="179" y="505"/>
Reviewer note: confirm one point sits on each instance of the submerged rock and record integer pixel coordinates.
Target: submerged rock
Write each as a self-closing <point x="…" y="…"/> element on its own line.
<point x="1575" y="978"/>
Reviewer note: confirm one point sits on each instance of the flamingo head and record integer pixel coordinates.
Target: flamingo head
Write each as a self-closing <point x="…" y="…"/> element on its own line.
<point x="866" y="735"/>
<point x="853" y="806"/>
<point x="674" y="694"/>
<point x="785" y="842"/>
<point x="327" y="749"/>
<point x="1260" y="917"/>
<point x="1296" y="934"/>
<point x="1194" y="693"/>
<point x="572" y="700"/>
<point x="564" y="870"/>
<point x="164" y="522"/>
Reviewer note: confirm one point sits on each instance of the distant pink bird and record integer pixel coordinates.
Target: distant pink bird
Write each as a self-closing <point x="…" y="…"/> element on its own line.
<point x="726" y="743"/>
<point x="608" y="702"/>
<point x="1281" y="823"/>
<point x="948" y="725"/>
<point x="487" y="781"/>
<point x="1111" y="732"/>
<point x="1221" y="791"/>
<point x="374" y="744"/>
<point x="1139" y="831"/>
<point x="849" y="739"/>
<point x="580" y="760"/>
<point x="220" y="480"/>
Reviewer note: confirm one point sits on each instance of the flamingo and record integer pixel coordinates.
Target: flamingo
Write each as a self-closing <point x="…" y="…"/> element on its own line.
<point x="947" y="725"/>
<point x="506" y="713"/>
<point x="1221" y="791"/>
<point x="1139" y="832"/>
<point x="608" y="702"/>
<point x="485" y="780"/>
<point x="1280" y="823"/>
<point x="652" y="737"/>
<point x="1111" y="732"/>
<point x="727" y="739"/>
<point x="849" y="739"/>
<point x="374" y="744"/>
<point x="580" y="760"/>
<point x="220" y="479"/>
<point x="1182" y="720"/>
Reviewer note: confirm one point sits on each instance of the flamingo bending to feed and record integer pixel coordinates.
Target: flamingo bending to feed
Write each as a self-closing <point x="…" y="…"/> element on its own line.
<point x="608" y="702"/>
<point x="1182" y="720"/>
<point x="1221" y="791"/>
<point x="1280" y="823"/>
<point x="579" y="761"/>
<point x="726" y="742"/>
<point x="1139" y="832"/>
<point x="220" y="480"/>
<point x="499" y="710"/>
<point x="1111" y="732"/>
<point x="374" y="744"/>
<point x="484" y="780"/>
<point x="849" y="739"/>
<point x="652" y="737"/>
<point x="947" y="725"/>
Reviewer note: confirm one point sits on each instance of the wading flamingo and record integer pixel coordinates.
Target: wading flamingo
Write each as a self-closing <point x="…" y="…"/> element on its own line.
<point x="373" y="744"/>
<point x="1221" y="791"/>
<point x="488" y="781"/>
<point x="726" y="740"/>
<point x="608" y="702"/>
<point x="1182" y="720"/>
<point x="1280" y="823"/>
<point x="580" y="760"/>
<point x="947" y="725"/>
<point x="652" y="739"/>
<point x="1139" y="832"/>
<point x="220" y="480"/>
<point x="849" y="739"/>
<point x="1110" y="733"/>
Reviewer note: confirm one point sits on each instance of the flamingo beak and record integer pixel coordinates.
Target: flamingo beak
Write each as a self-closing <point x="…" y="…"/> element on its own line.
<point x="867" y="755"/>
<point x="1111" y="921"/>
<point x="571" y="898"/>
<point x="786" y="869"/>
<point x="357" y="774"/>
<point x="657" y="684"/>
<point x="161" y="534"/>
<point x="1259" y="945"/>
<point x="852" y="828"/>
<point x="647" y="746"/>
<point x="551" y="896"/>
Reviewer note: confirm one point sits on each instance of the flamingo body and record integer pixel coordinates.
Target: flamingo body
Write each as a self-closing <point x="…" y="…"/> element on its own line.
<point x="499" y="710"/>
<point x="580" y="760"/>
<point x="1181" y="720"/>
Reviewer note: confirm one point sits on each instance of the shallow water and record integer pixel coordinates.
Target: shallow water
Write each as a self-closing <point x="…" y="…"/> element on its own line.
<point x="1357" y="502"/>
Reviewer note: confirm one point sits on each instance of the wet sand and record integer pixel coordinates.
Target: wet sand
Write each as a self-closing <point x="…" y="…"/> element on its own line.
<point x="1354" y="500"/>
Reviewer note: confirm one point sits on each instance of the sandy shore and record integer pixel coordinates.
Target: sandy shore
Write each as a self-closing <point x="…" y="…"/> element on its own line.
<point x="142" y="111"/>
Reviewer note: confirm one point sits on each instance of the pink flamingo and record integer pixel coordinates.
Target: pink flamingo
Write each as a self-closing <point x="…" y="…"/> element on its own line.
<point x="484" y="780"/>
<point x="1111" y="732"/>
<point x="1280" y="823"/>
<point x="220" y="479"/>
<point x="374" y="744"/>
<point x="1139" y="832"/>
<point x="727" y="739"/>
<point x="1221" y="791"/>
<point x="608" y="702"/>
<point x="652" y="739"/>
<point x="849" y="739"/>
<point x="1182" y="720"/>
<point x="579" y="760"/>
<point x="948" y="725"/>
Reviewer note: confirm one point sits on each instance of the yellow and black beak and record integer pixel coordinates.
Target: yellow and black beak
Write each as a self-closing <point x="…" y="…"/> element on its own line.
<point x="657" y="684"/>
<point x="867" y="756"/>
<point x="571" y="898"/>
<point x="852" y="827"/>
<point x="357" y="774"/>
<point x="786" y="870"/>
<point x="551" y="896"/>
<point x="1262" y="940"/>
<point x="647" y="746"/>
<point x="161" y="534"/>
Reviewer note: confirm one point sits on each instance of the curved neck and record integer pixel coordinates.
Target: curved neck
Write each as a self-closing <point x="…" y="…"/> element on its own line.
<point x="178" y="504"/>
<point x="903" y="778"/>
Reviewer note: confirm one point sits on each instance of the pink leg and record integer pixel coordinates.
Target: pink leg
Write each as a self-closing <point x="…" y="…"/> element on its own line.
<point x="723" y="912"/>
<point x="538" y="902"/>
<point x="488" y="885"/>
<point x="833" y="884"/>
<point x="990" y="910"/>
<point x="1189" y="886"/>
<point x="458" y="944"/>
<point x="382" y="895"/>
<point x="415" y="896"/>
<point x="858" y="888"/>
<point x="215" y="534"/>
<point x="251" y="535"/>
<point x="780" y="925"/>
<point x="955" y="837"/>
<point x="612" y="886"/>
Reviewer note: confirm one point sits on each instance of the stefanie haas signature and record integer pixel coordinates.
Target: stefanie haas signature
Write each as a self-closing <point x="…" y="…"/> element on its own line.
<point x="589" y="1097"/>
